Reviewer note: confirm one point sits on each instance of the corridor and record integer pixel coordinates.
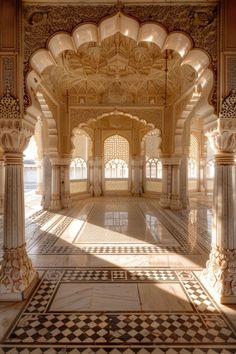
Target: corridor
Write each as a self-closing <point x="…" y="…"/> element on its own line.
<point x="119" y="275"/>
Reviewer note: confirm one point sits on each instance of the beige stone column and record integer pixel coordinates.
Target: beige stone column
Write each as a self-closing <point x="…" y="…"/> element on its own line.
<point x="39" y="164"/>
<point x="202" y="175"/>
<point x="91" y="176"/>
<point x="65" y="183"/>
<point x="17" y="276"/>
<point x="136" y="175"/>
<point x="55" y="199"/>
<point x="220" y="272"/>
<point x="170" y="197"/>
<point x="2" y="182"/>
<point x="166" y="188"/>
<point x="97" y="176"/>
<point x="183" y="191"/>
<point x="175" y="203"/>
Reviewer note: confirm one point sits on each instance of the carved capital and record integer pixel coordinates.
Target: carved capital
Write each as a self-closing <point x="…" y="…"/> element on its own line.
<point x="17" y="271"/>
<point x="222" y="141"/>
<point x="14" y="140"/>
<point x="220" y="271"/>
<point x="60" y="161"/>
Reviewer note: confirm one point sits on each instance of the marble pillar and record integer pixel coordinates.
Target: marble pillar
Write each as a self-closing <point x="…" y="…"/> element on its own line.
<point x="202" y="167"/>
<point x="166" y="189"/>
<point x="220" y="272"/>
<point x="17" y="275"/>
<point x="65" y="183"/>
<point x="136" y="176"/>
<point x="2" y="182"/>
<point x="39" y="164"/>
<point x="91" y="176"/>
<point x="170" y="196"/>
<point x="55" y="198"/>
<point x="184" y="181"/>
<point x="97" y="177"/>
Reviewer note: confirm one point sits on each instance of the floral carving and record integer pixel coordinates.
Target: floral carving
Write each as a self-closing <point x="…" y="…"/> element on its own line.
<point x="17" y="271"/>
<point x="228" y="109"/>
<point x="221" y="271"/>
<point x="223" y="141"/>
<point x="9" y="107"/>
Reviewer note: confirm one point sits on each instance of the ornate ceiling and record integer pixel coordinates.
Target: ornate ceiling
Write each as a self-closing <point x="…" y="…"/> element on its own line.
<point x="119" y="71"/>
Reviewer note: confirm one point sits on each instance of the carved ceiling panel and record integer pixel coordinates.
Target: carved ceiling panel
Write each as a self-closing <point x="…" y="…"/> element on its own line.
<point x="41" y="21"/>
<point x="119" y="72"/>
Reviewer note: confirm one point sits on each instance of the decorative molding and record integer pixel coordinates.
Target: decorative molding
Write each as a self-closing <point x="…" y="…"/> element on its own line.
<point x="228" y="109"/>
<point x="9" y="107"/>
<point x="41" y="22"/>
<point x="8" y="74"/>
<point x="17" y="271"/>
<point x="222" y="141"/>
<point x="221" y="271"/>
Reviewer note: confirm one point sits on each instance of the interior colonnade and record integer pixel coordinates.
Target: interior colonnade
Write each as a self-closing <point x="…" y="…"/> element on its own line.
<point x="115" y="83"/>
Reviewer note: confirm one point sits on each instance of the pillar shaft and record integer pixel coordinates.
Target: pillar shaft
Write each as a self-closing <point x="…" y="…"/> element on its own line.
<point x="220" y="272"/>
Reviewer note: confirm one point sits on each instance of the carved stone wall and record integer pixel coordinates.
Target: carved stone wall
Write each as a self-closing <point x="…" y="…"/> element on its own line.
<point x="200" y="22"/>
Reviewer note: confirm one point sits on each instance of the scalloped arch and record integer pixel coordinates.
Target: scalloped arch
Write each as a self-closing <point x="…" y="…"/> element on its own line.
<point x="127" y="26"/>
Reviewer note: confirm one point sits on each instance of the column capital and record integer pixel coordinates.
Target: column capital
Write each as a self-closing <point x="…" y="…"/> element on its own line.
<point x="223" y="141"/>
<point x="57" y="161"/>
<point x="14" y="131"/>
<point x="170" y="160"/>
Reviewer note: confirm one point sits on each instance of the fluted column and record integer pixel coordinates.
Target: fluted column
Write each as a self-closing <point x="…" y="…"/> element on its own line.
<point x="202" y="175"/>
<point x="136" y="176"/>
<point x="65" y="183"/>
<point x="170" y="196"/>
<point x="91" y="176"/>
<point x="55" y="199"/>
<point x="166" y="192"/>
<point x="175" y="203"/>
<point x="97" y="177"/>
<point x="39" y="189"/>
<point x="2" y="182"/>
<point x="184" y="181"/>
<point x="220" y="272"/>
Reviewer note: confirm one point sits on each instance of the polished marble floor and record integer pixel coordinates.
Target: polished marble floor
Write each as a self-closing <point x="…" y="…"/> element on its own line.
<point x="119" y="275"/>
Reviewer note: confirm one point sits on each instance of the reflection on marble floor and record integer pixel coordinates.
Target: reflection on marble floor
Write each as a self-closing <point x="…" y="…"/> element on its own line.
<point x="119" y="275"/>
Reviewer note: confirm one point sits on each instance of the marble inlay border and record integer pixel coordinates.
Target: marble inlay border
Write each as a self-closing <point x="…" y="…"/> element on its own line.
<point x="204" y="325"/>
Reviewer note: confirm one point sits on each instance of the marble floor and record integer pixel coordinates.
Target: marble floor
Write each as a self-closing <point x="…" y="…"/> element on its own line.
<point x="118" y="275"/>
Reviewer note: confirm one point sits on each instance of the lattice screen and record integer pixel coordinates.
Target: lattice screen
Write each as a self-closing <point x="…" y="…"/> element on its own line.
<point x="194" y="148"/>
<point x="116" y="147"/>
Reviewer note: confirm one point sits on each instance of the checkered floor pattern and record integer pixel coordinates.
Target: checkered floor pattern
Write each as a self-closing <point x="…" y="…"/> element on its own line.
<point x="119" y="275"/>
<point x="121" y="328"/>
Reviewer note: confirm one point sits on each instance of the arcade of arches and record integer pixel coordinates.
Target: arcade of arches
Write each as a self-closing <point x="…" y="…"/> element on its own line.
<point x="126" y="115"/>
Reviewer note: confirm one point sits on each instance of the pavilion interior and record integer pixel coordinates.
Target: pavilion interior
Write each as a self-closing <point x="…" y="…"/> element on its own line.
<point x="119" y="187"/>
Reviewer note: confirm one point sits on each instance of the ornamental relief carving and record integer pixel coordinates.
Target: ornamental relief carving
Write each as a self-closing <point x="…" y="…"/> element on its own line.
<point x="40" y="22"/>
<point x="78" y="116"/>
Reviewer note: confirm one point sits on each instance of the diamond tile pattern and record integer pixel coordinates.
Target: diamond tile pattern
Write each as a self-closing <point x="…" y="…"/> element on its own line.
<point x="121" y="328"/>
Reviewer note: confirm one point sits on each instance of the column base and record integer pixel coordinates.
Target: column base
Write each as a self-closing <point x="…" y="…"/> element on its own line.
<point x="55" y="203"/>
<point x="165" y="201"/>
<point x="175" y="203"/>
<point x="66" y="202"/>
<point x="17" y="276"/>
<point x="219" y="277"/>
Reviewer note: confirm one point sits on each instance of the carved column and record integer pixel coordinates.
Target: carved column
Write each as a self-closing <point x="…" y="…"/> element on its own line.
<point x="55" y="200"/>
<point x="65" y="183"/>
<point x="91" y="177"/>
<point x="2" y="182"/>
<point x="166" y="188"/>
<point x="220" y="272"/>
<point x="136" y="176"/>
<point x="202" y="175"/>
<point x="175" y="203"/>
<point x="170" y="197"/>
<point x="17" y="276"/>
<point x="184" y="181"/>
<point x="39" y="189"/>
<point x="97" y="177"/>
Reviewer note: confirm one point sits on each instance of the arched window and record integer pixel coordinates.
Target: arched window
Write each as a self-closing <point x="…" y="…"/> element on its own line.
<point x="210" y="169"/>
<point x="116" y="157"/>
<point x="153" y="168"/>
<point x="78" y="168"/>
<point x="193" y="157"/>
<point x="192" y="168"/>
